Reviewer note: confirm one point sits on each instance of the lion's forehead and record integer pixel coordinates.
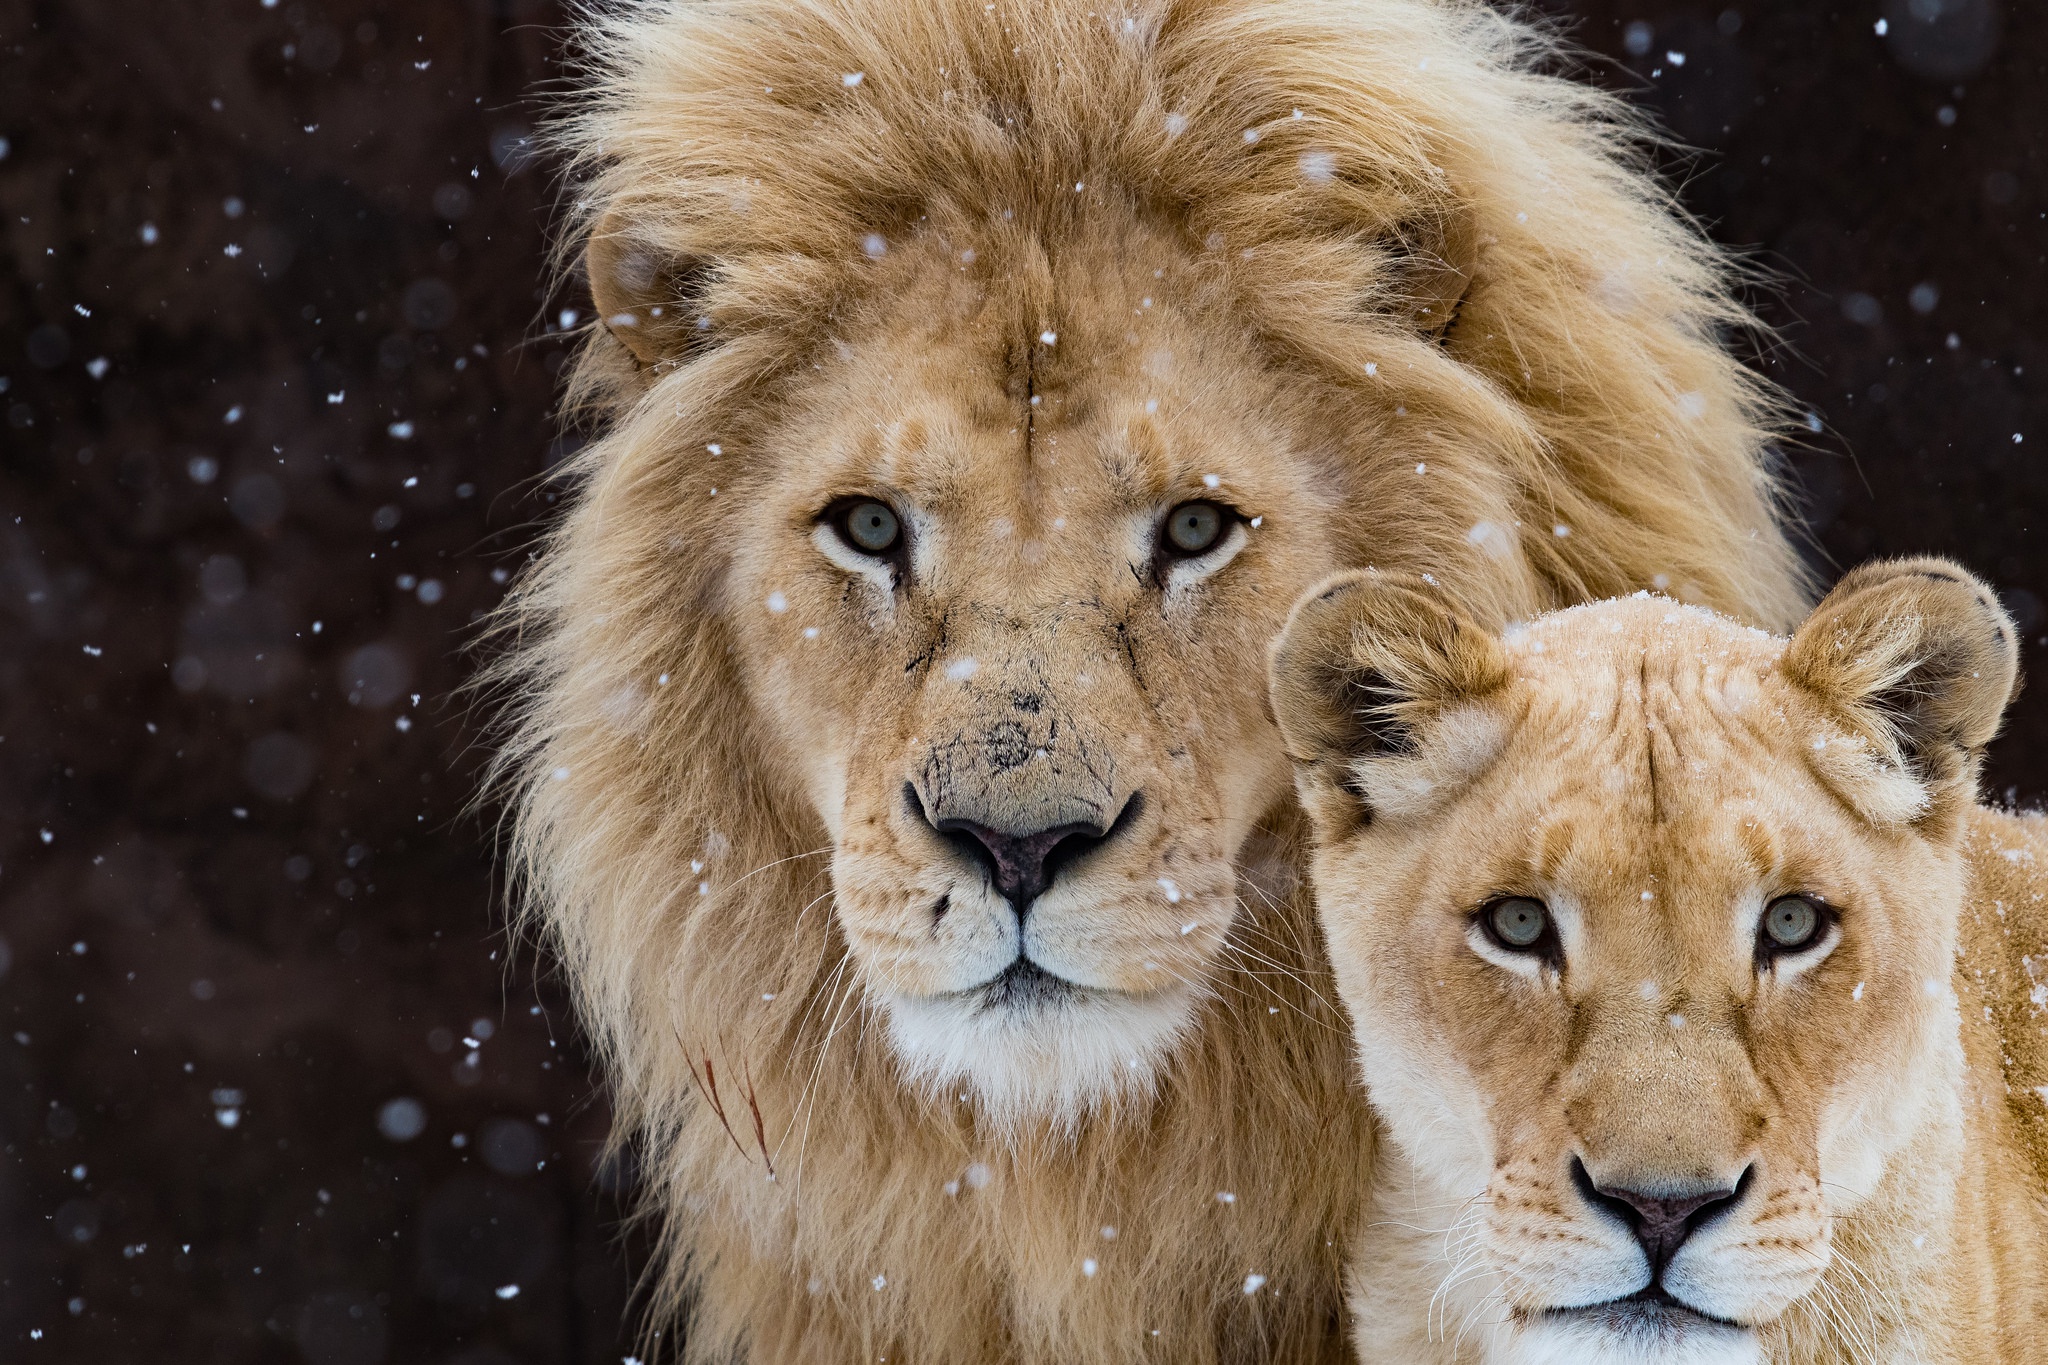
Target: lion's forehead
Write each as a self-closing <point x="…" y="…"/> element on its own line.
<point x="1102" y="380"/>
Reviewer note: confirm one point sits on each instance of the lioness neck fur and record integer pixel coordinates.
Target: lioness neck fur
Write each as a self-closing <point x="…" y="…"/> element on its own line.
<point x="1356" y="283"/>
<point x="1704" y="1006"/>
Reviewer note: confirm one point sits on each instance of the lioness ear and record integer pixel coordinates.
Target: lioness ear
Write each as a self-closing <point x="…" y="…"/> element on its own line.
<point x="646" y="297"/>
<point x="1364" y="663"/>
<point x="1921" y="659"/>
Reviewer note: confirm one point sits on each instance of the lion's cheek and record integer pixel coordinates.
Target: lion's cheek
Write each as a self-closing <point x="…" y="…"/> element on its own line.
<point x="813" y="741"/>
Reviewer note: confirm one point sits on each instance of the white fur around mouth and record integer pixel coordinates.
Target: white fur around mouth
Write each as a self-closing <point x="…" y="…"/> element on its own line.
<point x="1044" y="1057"/>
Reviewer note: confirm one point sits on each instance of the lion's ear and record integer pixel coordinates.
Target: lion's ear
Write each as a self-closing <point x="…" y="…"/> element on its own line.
<point x="1429" y="282"/>
<point x="1365" y="662"/>
<point x="1919" y="657"/>
<point x="647" y="297"/>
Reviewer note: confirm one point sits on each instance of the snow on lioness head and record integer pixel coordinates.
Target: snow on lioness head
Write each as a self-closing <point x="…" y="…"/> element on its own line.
<point x="1645" y="920"/>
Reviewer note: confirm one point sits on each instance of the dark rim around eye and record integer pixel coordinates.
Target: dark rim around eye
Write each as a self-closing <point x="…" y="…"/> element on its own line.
<point x="1194" y="528"/>
<point x="1519" y="924"/>
<point x="1791" y="924"/>
<point x="867" y="525"/>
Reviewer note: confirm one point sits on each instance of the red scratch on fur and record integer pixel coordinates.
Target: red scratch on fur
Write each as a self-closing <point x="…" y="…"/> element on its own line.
<point x="707" y="1086"/>
<point x="711" y="1084"/>
<point x="760" y="1128"/>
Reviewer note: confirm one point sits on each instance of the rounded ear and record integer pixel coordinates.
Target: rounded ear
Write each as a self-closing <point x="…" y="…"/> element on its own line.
<point x="1920" y="655"/>
<point x="646" y="297"/>
<point x="1364" y="660"/>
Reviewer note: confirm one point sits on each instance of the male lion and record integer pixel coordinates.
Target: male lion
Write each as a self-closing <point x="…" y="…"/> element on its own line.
<point x="1698" y="997"/>
<point x="891" y="764"/>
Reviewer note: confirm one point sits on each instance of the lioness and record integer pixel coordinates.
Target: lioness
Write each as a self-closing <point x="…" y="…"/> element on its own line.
<point x="1698" y="996"/>
<point x="978" y="383"/>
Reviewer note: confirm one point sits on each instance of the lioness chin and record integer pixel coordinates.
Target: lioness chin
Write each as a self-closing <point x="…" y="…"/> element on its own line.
<point x="979" y="382"/>
<point x="1697" y="995"/>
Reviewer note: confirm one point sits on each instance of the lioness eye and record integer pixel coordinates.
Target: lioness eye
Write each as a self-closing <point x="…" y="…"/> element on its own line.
<point x="1517" y="922"/>
<point x="1194" y="527"/>
<point x="870" y="527"/>
<point x="1791" y="922"/>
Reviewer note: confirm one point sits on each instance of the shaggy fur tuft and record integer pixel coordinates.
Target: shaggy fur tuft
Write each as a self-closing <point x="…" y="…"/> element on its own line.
<point x="1493" y="351"/>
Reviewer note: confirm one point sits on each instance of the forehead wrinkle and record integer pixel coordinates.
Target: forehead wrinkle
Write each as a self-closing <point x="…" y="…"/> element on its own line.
<point x="1627" y="743"/>
<point x="1721" y="754"/>
<point x="1678" y="724"/>
<point x="1589" y="734"/>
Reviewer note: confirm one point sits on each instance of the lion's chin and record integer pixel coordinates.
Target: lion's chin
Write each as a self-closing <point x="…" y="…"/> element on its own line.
<point x="1035" y="1053"/>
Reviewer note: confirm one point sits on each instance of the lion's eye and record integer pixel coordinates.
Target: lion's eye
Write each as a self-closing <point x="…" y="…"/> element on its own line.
<point x="1194" y="527"/>
<point x="1517" y="923"/>
<point x="1791" y="923"/>
<point x="869" y="527"/>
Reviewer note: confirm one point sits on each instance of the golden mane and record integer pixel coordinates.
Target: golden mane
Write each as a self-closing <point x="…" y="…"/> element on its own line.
<point x="1402" y="204"/>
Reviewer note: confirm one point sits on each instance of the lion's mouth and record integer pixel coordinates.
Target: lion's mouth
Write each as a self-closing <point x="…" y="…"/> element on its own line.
<point x="1649" y="1313"/>
<point x="1023" y="985"/>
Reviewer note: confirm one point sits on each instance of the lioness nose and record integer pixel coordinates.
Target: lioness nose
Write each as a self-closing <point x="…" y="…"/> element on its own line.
<point x="1023" y="865"/>
<point x="1661" y="1223"/>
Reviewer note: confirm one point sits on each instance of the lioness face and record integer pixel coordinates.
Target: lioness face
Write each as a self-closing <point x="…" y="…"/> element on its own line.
<point x="1648" y="951"/>
<point x="1028" y="536"/>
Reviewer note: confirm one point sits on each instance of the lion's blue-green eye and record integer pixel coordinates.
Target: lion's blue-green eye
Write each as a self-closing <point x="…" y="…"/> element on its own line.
<point x="1791" y="923"/>
<point x="1517" y="922"/>
<point x="1194" y="527"/>
<point x="871" y="527"/>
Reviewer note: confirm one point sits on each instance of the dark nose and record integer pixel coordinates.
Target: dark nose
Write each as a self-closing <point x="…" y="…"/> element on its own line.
<point x="1023" y="865"/>
<point x="1661" y="1223"/>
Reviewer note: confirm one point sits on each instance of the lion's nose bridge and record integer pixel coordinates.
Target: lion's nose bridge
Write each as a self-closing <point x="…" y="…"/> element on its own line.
<point x="1657" y="1099"/>
<point x="1010" y="741"/>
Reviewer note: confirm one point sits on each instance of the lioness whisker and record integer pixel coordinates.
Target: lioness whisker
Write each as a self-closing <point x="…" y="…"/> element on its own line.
<point x="1874" y="1296"/>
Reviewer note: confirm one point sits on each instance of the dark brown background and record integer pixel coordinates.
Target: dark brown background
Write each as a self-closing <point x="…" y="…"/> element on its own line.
<point x="241" y="906"/>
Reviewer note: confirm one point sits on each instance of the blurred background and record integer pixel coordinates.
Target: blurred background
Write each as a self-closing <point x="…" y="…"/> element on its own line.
<point x="277" y="363"/>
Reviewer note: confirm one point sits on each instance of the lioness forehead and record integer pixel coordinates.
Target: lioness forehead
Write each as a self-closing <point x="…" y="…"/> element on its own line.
<point x="1649" y="742"/>
<point x="1612" y="684"/>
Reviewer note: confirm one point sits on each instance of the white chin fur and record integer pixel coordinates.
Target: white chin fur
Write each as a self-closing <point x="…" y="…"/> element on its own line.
<point x="1043" y="1066"/>
<point x="1582" y="1341"/>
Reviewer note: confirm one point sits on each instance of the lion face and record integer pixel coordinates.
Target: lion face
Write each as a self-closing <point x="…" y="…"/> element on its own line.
<point x="1004" y="605"/>
<point x="1646" y="921"/>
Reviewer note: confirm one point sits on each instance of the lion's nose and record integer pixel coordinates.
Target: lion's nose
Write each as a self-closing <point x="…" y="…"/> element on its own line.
<point x="1661" y="1223"/>
<point x="1023" y="864"/>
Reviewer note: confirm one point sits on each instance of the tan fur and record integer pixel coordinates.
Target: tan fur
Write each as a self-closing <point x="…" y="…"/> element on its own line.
<point x="1037" y="272"/>
<point x="1658" y="776"/>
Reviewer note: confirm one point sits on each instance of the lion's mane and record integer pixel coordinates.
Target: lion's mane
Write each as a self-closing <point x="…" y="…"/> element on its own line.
<point x="1483" y="247"/>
